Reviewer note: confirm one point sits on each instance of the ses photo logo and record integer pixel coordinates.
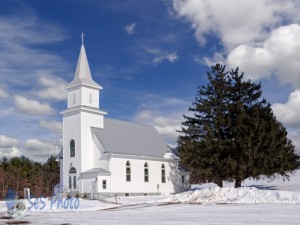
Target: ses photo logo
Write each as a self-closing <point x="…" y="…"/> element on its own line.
<point x="17" y="208"/>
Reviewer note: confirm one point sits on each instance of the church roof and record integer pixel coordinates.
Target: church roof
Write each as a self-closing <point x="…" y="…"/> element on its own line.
<point x="96" y="170"/>
<point x="83" y="73"/>
<point x="120" y="137"/>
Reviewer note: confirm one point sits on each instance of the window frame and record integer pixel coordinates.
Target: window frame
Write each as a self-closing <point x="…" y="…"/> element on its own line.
<point x="163" y="173"/>
<point x="72" y="148"/>
<point x="146" y="172"/>
<point x="104" y="184"/>
<point x="75" y="182"/>
<point x="70" y="182"/>
<point x="128" y="171"/>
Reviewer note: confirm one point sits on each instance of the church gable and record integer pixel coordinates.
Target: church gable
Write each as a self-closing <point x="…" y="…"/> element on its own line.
<point x="119" y="137"/>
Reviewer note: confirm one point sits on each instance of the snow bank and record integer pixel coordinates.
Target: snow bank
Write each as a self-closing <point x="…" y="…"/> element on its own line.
<point x="237" y="195"/>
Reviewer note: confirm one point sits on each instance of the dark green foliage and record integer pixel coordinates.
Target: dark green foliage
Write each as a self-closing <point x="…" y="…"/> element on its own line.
<point x="19" y="172"/>
<point x="233" y="134"/>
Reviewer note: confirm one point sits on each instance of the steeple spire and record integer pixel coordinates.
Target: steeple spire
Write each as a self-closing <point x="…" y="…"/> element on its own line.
<point x="83" y="73"/>
<point x="82" y="36"/>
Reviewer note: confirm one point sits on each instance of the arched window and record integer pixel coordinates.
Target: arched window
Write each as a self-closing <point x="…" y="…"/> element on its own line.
<point x="163" y="174"/>
<point x="72" y="174"/>
<point x="72" y="148"/>
<point x="146" y="172"/>
<point x="72" y="170"/>
<point x="128" y="171"/>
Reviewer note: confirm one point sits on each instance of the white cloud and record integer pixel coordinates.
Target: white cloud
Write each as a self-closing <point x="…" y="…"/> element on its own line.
<point x="234" y="22"/>
<point x="161" y="56"/>
<point x="8" y="146"/>
<point x="252" y="34"/>
<point x="279" y="54"/>
<point x="166" y="125"/>
<point x="54" y="126"/>
<point x="52" y="88"/>
<point x="32" y="107"/>
<point x="20" y="62"/>
<point x="9" y="152"/>
<point x="164" y="113"/>
<point x="7" y="142"/>
<point x="130" y="28"/>
<point x="3" y="93"/>
<point x="288" y="113"/>
<point x="217" y="58"/>
<point x="40" y="148"/>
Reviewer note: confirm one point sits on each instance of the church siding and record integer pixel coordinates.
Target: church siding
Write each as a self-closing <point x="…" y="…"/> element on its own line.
<point x="137" y="183"/>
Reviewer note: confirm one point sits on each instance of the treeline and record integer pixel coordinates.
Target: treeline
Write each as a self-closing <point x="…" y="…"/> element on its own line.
<point x="18" y="173"/>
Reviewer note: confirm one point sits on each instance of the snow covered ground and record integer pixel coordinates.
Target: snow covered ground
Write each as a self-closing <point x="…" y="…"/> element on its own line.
<point x="256" y="203"/>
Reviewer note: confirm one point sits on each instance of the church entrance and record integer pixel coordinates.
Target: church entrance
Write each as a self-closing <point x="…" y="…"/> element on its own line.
<point x="73" y="179"/>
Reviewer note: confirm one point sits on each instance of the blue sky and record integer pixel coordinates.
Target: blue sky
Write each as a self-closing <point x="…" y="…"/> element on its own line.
<point x="149" y="56"/>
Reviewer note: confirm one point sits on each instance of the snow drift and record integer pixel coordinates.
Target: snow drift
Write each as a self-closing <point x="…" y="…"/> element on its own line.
<point x="237" y="195"/>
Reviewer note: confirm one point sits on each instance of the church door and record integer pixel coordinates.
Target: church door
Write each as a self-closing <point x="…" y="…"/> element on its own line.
<point x="72" y="178"/>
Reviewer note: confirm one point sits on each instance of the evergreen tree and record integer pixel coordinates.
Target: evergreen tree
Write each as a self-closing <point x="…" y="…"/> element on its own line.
<point x="19" y="172"/>
<point x="233" y="134"/>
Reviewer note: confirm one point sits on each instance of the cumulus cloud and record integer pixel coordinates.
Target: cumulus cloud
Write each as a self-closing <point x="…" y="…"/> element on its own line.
<point x="54" y="126"/>
<point x="40" y="148"/>
<point x="288" y="113"/>
<point x="235" y="22"/>
<point x="52" y="88"/>
<point x="32" y="107"/>
<point x="129" y="28"/>
<point x="279" y="54"/>
<point x="7" y="142"/>
<point x="8" y="146"/>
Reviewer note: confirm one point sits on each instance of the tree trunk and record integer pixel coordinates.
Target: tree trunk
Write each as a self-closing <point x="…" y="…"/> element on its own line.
<point x="237" y="183"/>
<point x="220" y="183"/>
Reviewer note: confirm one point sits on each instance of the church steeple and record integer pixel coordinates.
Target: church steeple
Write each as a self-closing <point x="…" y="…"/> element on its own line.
<point x="82" y="113"/>
<point x="83" y="91"/>
<point x="83" y="74"/>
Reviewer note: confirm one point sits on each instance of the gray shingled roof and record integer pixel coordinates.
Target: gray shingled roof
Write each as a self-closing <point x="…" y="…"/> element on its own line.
<point x="119" y="137"/>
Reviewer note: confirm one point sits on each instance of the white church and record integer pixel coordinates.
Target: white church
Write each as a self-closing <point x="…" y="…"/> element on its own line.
<point x="104" y="157"/>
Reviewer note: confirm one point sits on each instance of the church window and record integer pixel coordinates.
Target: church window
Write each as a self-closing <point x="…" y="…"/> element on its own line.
<point x="146" y="172"/>
<point x="72" y="170"/>
<point x="182" y="179"/>
<point x="103" y="184"/>
<point x="74" y="98"/>
<point x="74" y="182"/>
<point x="90" y="98"/>
<point x="72" y="148"/>
<point x="70" y="182"/>
<point x="128" y="171"/>
<point x="163" y="174"/>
